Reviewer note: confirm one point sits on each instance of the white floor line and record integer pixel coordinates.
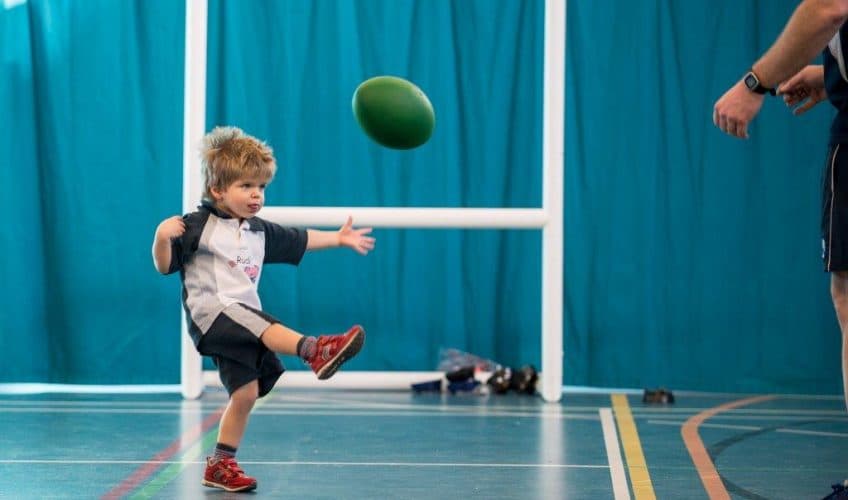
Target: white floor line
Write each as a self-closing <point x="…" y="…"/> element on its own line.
<point x="38" y="388"/>
<point x="316" y="463"/>
<point x="434" y="464"/>
<point x="318" y="402"/>
<point x="754" y="428"/>
<point x="444" y="406"/>
<point x="713" y="426"/>
<point x="431" y="413"/>
<point x="643" y="412"/>
<point x="824" y="418"/>
<point x="113" y="404"/>
<point x="619" y="478"/>
<point x="813" y="433"/>
<point x="121" y="411"/>
<point x="331" y="413"/>
<point x="148" y="405"/>
<point x="43" y="388"/>
<point x="738" y="395"/>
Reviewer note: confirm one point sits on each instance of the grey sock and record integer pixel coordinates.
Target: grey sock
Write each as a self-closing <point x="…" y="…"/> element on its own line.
<point x="306" y="347"/>
<point x="224" y="451"/>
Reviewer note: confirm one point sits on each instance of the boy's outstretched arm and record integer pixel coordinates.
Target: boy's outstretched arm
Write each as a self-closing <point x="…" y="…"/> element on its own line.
<point x="355" y="239"/>
<point x="170" y="228"/>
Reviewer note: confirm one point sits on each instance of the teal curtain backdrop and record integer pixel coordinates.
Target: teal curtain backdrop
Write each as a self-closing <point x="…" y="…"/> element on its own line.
<point x="95" y="159"/>
<point x="90" y="148"/>
<point x="286" y="72"/>
<point x="692" y="259"/>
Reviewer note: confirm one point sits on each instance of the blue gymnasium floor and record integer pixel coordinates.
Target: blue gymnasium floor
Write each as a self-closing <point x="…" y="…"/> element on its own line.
<point x="333" y="444"/>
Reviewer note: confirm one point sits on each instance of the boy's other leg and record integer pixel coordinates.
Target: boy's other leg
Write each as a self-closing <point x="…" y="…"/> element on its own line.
<point x="234" y="419"/>
<point x="839" y="293"/>
<point x="222" y="470"/>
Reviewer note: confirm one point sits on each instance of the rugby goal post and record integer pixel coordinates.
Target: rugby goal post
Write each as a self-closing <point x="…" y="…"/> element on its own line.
<point x="548" y="218"/>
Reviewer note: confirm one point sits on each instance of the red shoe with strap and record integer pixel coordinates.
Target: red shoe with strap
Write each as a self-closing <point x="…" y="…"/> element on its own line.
<point x="333" y="350"/>
<point x="226" y="474"/>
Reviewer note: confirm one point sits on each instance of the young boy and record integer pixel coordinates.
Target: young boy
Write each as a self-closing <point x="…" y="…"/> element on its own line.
<point x="219" y="251"/>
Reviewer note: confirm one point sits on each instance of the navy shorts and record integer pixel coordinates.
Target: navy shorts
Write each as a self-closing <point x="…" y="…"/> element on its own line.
<point x="834" y="221"/>
<point x="233" y="344"/>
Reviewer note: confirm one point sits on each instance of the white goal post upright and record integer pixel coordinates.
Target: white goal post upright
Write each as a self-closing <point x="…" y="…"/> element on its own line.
<point x="549" y="218"/>
<point x="553" y="183"/>
<point x="194" y="126"/>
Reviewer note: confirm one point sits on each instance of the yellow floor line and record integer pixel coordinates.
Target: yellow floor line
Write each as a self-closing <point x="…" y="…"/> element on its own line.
<point x="640" y="479"/>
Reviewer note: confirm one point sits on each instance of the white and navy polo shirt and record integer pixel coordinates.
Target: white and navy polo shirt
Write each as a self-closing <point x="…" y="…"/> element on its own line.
<point x="836" y="83"/>
<point x="220" y="261"/>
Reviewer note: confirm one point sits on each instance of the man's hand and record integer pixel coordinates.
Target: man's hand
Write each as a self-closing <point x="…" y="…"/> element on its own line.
<point x="735" y="109"/>
<point x="804" y="90"/>
<point x="356" y="238"/>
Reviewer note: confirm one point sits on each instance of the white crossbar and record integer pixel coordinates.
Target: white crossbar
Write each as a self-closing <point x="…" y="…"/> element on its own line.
<point x="403" y="217"/>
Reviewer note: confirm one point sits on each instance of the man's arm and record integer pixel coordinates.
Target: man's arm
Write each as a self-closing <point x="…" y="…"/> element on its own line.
<point x="809" y="29"/>
<point x="806" y="34"/>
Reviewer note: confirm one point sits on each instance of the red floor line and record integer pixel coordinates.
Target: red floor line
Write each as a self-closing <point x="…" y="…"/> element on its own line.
<point x="703" y="463"/>
<point x="144" y="471"/>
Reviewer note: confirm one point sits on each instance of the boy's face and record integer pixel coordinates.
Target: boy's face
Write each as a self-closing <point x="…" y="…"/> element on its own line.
<point x="243" y="198"/>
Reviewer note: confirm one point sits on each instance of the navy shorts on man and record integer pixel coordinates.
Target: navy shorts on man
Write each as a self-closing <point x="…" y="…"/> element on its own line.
<point x="834" y="221"/>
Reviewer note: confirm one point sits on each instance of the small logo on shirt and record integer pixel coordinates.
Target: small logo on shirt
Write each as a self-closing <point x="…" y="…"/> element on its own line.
<point x="252" y="271"/>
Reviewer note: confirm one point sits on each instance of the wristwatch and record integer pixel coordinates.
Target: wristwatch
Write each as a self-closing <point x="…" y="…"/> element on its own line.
<point x="754" y="85"/>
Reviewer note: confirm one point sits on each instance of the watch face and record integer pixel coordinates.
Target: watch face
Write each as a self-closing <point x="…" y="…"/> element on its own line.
<point x="751" y="81"/>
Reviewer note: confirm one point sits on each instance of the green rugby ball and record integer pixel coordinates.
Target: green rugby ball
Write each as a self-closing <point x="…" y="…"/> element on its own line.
<point x="393" y="112"/>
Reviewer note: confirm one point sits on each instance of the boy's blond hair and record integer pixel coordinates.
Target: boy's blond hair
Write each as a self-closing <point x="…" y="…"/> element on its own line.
<point x="228" y="154"/>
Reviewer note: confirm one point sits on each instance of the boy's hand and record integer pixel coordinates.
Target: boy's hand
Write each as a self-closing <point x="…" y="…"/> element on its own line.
<point x="355" y="238"/>
<point x="170" y="228"/>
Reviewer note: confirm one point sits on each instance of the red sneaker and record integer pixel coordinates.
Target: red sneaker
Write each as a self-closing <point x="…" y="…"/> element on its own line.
<point x="226" y="474"/>
<point x="333" y="350"/>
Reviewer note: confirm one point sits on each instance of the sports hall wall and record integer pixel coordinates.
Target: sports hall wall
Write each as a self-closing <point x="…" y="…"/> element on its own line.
<point x="692" y="260"/>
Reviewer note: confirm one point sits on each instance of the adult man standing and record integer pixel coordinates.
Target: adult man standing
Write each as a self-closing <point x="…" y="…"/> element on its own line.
<point x="815" y="25"/>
